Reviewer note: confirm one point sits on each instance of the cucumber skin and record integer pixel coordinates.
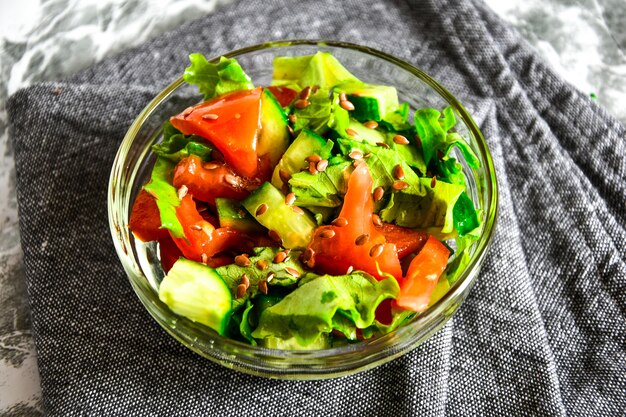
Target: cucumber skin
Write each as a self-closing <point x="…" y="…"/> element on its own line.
<point x="228" y="213"/>
<point x="294" y="229"/>
<point x="197" y="292"/>
<point x="274" y="137"/>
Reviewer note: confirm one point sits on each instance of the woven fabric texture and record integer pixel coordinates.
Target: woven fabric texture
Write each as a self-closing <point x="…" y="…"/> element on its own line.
<point x="542" y="333"/>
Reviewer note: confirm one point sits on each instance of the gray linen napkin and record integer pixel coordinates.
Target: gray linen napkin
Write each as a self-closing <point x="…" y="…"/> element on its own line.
<point x="542" y="333"/>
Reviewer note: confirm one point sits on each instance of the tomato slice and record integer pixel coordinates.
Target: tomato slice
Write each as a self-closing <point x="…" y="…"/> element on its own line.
<point x="407" y="240"/>
<point x="202" y="240"/>
<point x="234" y="131"/>
<point x="335" y="248"/>
<point x="421" y="278"/>
<point x="207" y="181"/>
<point x="145" y="220"/>
<point x="284" y="95"/>
<point x="169" y="252"/>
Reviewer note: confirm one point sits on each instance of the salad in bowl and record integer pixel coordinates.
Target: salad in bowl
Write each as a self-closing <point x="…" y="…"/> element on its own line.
<point x="315" y="212"/>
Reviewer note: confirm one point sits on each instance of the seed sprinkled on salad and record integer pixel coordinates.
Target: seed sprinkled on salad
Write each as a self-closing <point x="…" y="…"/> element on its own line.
<point x="401" y="140"/>
<point x="221" y="205"/>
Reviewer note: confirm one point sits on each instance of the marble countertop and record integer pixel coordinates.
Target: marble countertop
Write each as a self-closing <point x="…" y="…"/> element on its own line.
<point x="583" y="41"/>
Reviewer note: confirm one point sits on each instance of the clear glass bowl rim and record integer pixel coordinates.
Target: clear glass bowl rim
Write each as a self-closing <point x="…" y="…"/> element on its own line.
<point x="309" y="364"/>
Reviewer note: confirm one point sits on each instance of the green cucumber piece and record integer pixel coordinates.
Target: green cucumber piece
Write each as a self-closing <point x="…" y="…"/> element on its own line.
<point x="274" y="137"/>
<point x="371" y="102"/>
<point x="294" y="229"/>
<point x="294" y="159"/>
<point x="322" y="342"/>
<point x="197" y="292"/>
<point x="364" y="134"/>
<point x="232" y="214"/>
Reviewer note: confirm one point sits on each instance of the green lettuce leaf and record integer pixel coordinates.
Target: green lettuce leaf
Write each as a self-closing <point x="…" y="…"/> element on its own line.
<point x="214" y="80"/>
<point x="435" y="209"/>
<point x="166" y="195"/>
<point x="322" y="113"/>
<point x="398" y="120"/>
<point x="464" y="215"/>
<point x="324" y="303"/>
<point x="322" y="189"/>
<point x="232" y="273"/>
<point x="454" y="139"/>
<point x="176" y="146"/>
<point x="321" y="69"/>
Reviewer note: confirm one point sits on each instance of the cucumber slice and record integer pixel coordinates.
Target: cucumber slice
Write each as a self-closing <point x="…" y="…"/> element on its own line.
<point x="294" y="159"/>
<point x="294" y="229"/>
<point x="274" y="137"/>
<point x="365" y="134"/>
<point x="193" y="290"/>
<point x="322" y="342"/>
<point x="232" y="214"/>
<point x="371" y="102"/>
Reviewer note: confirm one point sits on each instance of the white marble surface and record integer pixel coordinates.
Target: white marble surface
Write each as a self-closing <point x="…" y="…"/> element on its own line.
<point x="583" y="40"/>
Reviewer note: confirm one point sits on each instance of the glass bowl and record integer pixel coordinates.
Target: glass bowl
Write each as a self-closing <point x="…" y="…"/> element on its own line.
<point x="132" y="168"/>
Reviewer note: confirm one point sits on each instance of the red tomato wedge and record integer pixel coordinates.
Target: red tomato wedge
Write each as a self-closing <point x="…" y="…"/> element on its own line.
<point x="202" y="240"/>
<point x="336" y="248"/>
<point x="207" y="181"/>
<point x="284" y="95"/>
<point x="231" y="123"/>
<point x="145" y="220"/>
<point x="421" y="278"/>
<point x="168" y="252"/>
<point x="407" y="240"/>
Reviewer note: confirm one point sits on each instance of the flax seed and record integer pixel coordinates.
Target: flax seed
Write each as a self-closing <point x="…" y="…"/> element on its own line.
<point x="305" y="93"/>
<point x="350" y="269"/>
<point x="270" y="277"/>
<point x="245" y="281"/>
<point x="313" y="158"/>
<point x="290" y="198"/>
<point x="340" y="222"/>
<point x="261" y="209"/>
<point x="379" y="192"/>
<point x="376" y="220"/>
<point x="382" y="145"/>
<point x="351" y="132"/>
<point x="263" y="287"/>
<point x="301" y="104"/>
<point x="231" y="179"/>
<point x="262" y="264"/>
<point x="398" y="172"/>
<point x="362" y="240"/>
<point x="399" y="185"/>
<point x="400" y="140"/>
<point x="376" y="250"/>
<point x="433" y="182"/>
<point x="210" y="116"/>
<point x="312" y="168"/>
<point x="242" y="260"/>
<point x="195" y="227"/>
<point x="241" y="290"/>
<point x="297" y="210"/>
<point x="279" y="257"/>
<point x="205" y="258"/>
<point x="292" y="118"/>
<point x="187" y="112"/>
<point x="182" y="191"/>
<point x="371" y="124"/>
<point x="343" y="97"/>
<point x="291" y="131"/>
<point x="292" y="272"/>
<point x="322" y="165"/>
<point x="327" y="233"/>
<point x="356" y="154"/>
<point x="346" y="105"/>
<point x="211" y="165"/>
<point x="307" y="254"/>
<point x="284" y="175"/>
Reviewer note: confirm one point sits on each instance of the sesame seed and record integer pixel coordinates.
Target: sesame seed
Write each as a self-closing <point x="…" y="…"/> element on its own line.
<point x="210" y="116"/>
<point x="263" y="287"/>
<point x="182" y="191"/>
<point x="376" y="220"/>
<point x="376" y="250"/>
<point x="433" y="182"/>
<point x="327" y="233"/>
<point x="261" y="209"/>
<point x="313" y="158"/>
<point x="400" y="140"/>
<point x="292" y="272"/>
<point x="279" y="257"/>
<point x="362" y="240"/>
<point x="340" y="222"/>
<point x="322" y="165"/>
<point x="351" y="132"/>
<point x="399" y="185"/>
<point x="242" y="260"/>
<point x="356" y="154"/>
<point x="241" y="290"/>
<point x="398" y="172"/>
<point x="371" y="124"/>
<point x="290" y="198"/>
<point x="301" y="104"/>
<point x="379" y="192"/>
<point x="346" y="105"/>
